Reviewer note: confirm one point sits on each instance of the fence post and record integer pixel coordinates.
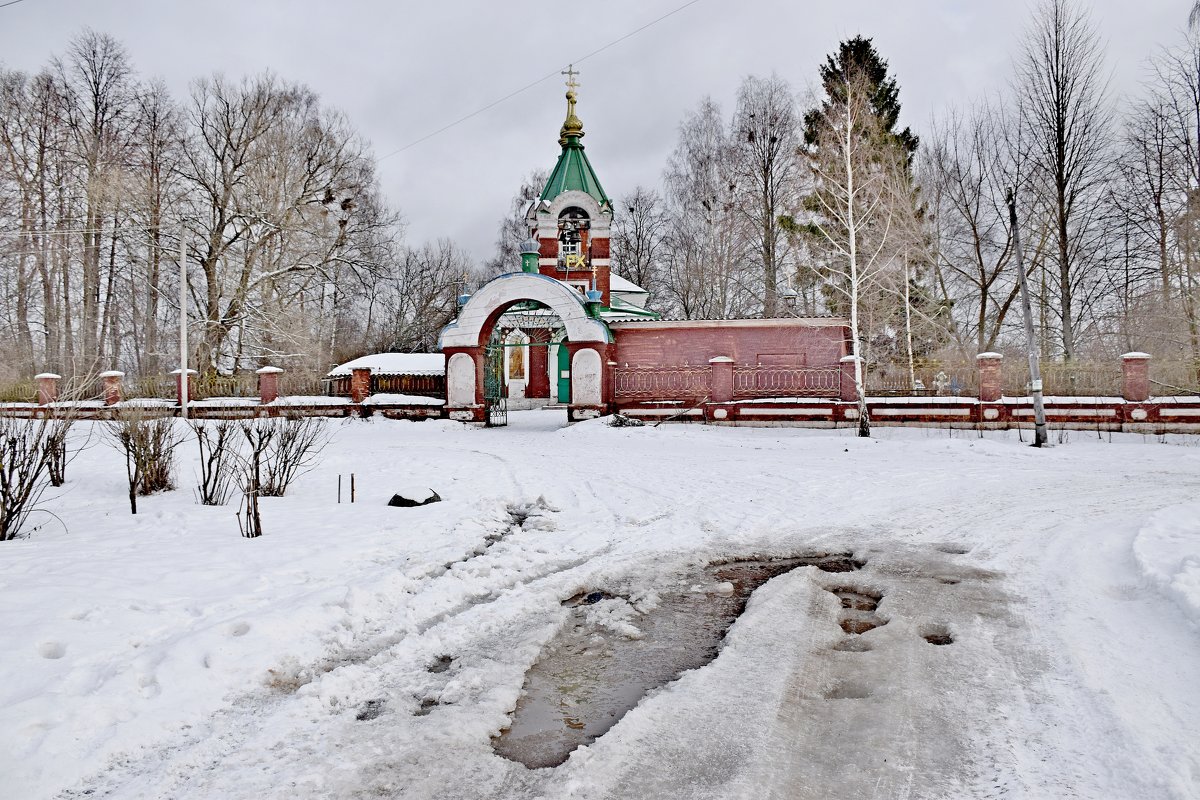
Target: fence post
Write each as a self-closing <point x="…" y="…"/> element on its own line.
<point x="991" y="382"/>
<point x="1135" y="377"/>
<point x="112" y="386"/>
<point x="47" y="387"/>
<point x="191" y="385"/>
<point x="849" y="392"/>
<point x="720" y="387"/>
<point x="268" y="384"/>
<point x="360" y="384"/>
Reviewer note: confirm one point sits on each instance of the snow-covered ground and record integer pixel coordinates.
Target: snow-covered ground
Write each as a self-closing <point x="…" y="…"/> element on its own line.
<point x="164" y="656"/>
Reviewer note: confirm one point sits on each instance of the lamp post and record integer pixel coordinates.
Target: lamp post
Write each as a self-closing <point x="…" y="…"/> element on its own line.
<point x="183" y="319"/>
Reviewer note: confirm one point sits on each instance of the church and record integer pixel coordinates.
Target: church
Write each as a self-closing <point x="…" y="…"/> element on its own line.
<point x="567" y="330"/>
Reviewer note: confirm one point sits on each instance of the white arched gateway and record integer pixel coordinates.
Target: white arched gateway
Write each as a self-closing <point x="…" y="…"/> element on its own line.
<point x="464" y="343"/>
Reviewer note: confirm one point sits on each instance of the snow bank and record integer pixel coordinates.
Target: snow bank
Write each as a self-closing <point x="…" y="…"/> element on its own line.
<point x="386" y="399"/>
<point x="309" y="400"/>
<point x="1167" y="551"/>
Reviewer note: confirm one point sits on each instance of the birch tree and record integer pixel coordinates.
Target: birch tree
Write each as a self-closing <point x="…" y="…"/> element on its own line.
<point x="857" y="206"/>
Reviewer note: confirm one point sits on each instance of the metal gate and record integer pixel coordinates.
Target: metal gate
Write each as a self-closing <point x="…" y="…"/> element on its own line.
<point x="495" y="406"/>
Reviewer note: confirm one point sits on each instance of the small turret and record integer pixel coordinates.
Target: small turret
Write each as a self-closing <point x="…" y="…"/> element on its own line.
<point x="529" y="255"/>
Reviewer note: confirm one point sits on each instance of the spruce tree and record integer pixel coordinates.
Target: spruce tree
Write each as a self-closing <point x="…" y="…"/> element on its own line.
<point x="858" y="57"/>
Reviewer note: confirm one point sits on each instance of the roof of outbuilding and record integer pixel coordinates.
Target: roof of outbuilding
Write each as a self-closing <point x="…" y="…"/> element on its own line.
<point x="395" y="364"/>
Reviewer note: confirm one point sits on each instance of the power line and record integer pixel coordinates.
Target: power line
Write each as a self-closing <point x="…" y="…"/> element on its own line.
<point x="11" y="3"/>
<point x="557" y="71"/>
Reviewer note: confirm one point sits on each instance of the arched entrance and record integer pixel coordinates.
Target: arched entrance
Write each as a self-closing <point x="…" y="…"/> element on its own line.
<point x="465" y="343"/>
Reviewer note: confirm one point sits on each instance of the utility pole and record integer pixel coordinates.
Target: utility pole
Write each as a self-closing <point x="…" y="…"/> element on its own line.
<point x="183" y="320"/>
<point x="1035" y="372"/>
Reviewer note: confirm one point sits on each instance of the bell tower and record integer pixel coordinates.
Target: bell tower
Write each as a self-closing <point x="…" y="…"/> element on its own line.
<point x="571" y="219"/>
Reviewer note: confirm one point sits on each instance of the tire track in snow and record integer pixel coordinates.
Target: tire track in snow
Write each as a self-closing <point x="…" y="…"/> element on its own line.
<point x="226" y="730"/>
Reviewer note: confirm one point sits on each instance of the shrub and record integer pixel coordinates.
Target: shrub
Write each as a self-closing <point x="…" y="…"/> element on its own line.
<point x="149" y="447"/>
<point x="298" y="442"/>
<point x="218" y="460"/>
<point x="24" y="474"/>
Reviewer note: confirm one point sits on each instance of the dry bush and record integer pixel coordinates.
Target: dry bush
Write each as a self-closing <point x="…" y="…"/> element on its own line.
<point x="218" y="460"/>
<point x="260" y="438"/>
<point x="297" y="444"/>
<point x="277" y="451"/>
<point x="58" y="429"/>
<point x="23" y="471"/>
<point x="149" y="446"/>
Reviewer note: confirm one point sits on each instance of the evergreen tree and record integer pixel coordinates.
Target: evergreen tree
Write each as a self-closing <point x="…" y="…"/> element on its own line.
<point x="857" y="57"/>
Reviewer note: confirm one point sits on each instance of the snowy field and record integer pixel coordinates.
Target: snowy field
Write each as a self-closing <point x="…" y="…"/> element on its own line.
<point x="163" y="656"/>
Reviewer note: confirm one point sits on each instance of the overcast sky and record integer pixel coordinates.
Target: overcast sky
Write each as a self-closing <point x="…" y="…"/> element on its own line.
<point x="401" y="70"/>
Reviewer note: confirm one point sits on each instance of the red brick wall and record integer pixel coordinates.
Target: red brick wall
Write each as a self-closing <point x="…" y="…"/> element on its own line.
<point x="599" y="249"/>
<point x="782" y="344"/>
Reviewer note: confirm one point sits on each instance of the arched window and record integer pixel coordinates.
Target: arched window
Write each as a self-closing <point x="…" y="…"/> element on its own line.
<point x="572" y="224"/>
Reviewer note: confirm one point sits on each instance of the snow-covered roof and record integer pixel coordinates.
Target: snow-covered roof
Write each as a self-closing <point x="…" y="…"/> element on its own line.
<point x="395" y="364"/>
<point x="618" y="284"/>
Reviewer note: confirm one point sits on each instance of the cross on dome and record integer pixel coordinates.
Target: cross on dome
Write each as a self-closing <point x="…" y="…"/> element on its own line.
<point x="571" y="72"/>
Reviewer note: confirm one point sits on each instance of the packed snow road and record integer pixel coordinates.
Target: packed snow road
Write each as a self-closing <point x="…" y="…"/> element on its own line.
<point x="1030" y="619"/>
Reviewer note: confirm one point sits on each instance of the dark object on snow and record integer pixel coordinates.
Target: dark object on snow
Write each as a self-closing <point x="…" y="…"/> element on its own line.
<point x="422" y="499"/>
<point x="593" y="598"/>
<point x="369" y="710"/>
<point x="622" y="421"/>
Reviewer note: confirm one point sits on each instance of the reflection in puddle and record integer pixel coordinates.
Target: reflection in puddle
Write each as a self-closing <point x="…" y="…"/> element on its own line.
<point x="611" y="653"/>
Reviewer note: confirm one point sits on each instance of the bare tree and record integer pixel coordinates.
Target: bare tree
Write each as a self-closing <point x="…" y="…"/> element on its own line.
<point x="56" y="439"/>
<point x="405" y="309"/>
<point x="286" y="228"/>
<point x="284" y="206"/>
<point x="965" y="169"/>
<point x="1063" y="94"/>
<point x="766" y="132"/>
<point x="1176" y="87"/>
<point x="98" y="82"/>
<point x="639" y="232"/>
<point x="705" y="272"/>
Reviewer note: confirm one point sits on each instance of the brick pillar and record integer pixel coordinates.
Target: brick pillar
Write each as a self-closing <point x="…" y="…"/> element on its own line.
<point x="849" y="392"/>
<point x="191" y="385"/>
<point x="112" y="386"/>
<point x="991" y="384"/>
<point x="360" y="384"/>
<point x="47" y="383"/>
<point x="589" y="377"/>
<point x="1135" y="377"/>
<point x="268" y="384"/>
<point x="721" y="381"/>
